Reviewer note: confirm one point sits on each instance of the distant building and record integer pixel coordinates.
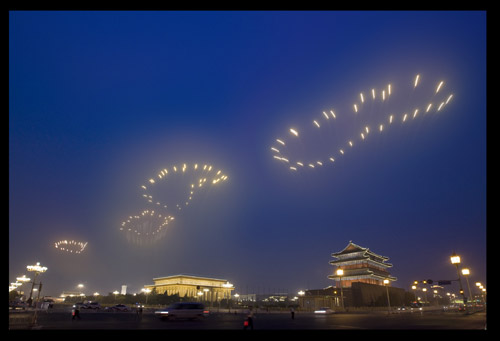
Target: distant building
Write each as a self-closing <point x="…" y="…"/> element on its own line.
<point x="360" y="285"/>
<point x="124" y="290"/>
<point x="194" y="287"/>
<point x="319" y="298"/>
<point x="359" y="264"/>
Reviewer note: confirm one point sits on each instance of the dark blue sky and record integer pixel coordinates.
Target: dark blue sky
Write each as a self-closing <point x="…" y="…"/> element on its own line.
<point x="101" y="101"/>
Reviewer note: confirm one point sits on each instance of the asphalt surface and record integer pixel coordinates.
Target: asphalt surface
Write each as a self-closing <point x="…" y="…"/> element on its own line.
<point x="53" y="320"/>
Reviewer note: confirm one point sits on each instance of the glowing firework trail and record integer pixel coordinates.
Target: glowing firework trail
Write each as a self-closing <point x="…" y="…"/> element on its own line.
<point x="199" y="177"/>
<point x="386" y="105"/>
<point x="172" y="189"/>
<point x="70" y="246"/>
<point x="146" y="227"/>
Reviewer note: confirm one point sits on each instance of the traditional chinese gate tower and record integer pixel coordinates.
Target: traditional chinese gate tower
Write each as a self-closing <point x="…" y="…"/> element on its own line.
<point x="360" y="265"/>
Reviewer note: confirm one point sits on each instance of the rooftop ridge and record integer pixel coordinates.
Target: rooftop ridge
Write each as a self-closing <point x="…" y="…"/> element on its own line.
<point x="353" y="248"/>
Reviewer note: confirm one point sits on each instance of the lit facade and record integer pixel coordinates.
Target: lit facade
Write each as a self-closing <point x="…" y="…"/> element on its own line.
<point x="196" y="287"/>
<point x="359" y="264"/>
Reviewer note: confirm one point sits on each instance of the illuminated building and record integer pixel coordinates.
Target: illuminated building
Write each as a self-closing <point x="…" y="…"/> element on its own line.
<point x="359" y="264"/>
<point x="196" y="287"/>
<point x="359" y="276"/>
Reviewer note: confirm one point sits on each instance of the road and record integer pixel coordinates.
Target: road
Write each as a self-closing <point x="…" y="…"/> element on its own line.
<point x="266" y="321"/>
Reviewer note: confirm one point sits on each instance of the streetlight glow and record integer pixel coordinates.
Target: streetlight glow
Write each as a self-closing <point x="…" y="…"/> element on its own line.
<point x="455" y="259"/>
<point x="36" y="268"/>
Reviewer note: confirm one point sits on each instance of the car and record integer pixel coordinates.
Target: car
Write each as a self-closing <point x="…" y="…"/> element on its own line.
<point x="79" y="305"/>
<point x="91" y="305"/>
<point x="324" y="311"/>
<point x="118" y="307"/>
<point x="17" y="305"/>
<point x="183" y="310"/>
<point x="50" y="302"/>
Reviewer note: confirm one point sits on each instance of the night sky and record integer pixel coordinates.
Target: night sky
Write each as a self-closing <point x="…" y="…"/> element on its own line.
<point x="100" y="102"/>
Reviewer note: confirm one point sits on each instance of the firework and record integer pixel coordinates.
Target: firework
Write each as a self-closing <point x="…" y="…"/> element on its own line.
<point x="185" y="183"/>
<point x="167" y="193"/>
<point x="333" y="133"/>
<point x="71" y="246"/>
<point x="146" y="227"/>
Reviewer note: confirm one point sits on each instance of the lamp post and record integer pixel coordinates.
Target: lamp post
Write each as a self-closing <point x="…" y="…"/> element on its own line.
<point x="237" y="296"/>
<point x="386" y="283"/>
<point x="466" y="273"/>
<point x="21" y="280"/>
<point x="482" y="291"/>
<point x="301" y="300"/>
<point x="37" y="269"/>
<point x="455" y="260"/>
<point x="146" y="291"/>
<point x="340" y="273"/>
<point x="205" y="294"/>
<point x="414" y="287"/>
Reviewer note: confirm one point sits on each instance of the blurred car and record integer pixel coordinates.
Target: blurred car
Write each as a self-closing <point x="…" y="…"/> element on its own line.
<point x="324" y="311"/>
<point x="92" y="305"/>
<point x="17" y="305"/>
<point x="118" y="307"/>
<point x="183" y="310"/>
<point x="50" y="302"/>
<point x="78" y="305"/>
<point x="402" y="308"/>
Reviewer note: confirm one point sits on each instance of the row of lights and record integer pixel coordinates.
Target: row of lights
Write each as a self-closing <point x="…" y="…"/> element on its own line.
<point x="455" y="260"/>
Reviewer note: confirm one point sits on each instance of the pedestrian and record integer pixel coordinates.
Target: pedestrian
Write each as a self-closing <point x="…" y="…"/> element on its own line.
<point x="249" y="320"/>
<point x="139" y="312"/>
<point x="292" y="311"/>
<point x="75" y="312"/>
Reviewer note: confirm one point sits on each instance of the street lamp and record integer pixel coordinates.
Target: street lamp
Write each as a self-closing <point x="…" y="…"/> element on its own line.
<point x="481" y="289"/>
<point x="19" y="281"/>
<point x="455" y="260"/>
<point x="146" y="291"/>
<point x="466" y="273"/>
<point x="205" y="294"/>
<point x="36" y="269"/>
<point x="414" y="287"/>
<point x="425" y="292"/>
<point x="23" y="279"/>
<point x="236" y="296"/>
<point x="386" y="283"/>
<point x="340" y="273"/>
